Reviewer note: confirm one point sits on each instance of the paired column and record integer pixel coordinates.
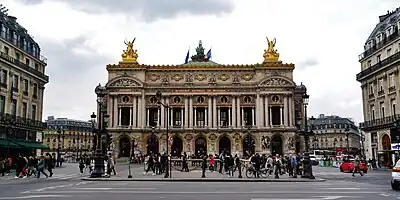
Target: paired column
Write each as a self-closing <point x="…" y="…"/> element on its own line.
<point x="206" y="117"/>
<point x="147" y="117"/>
<point x="209" y="123"/>
<point x="257" y="110"/>
<point x="134" y="110"/>
<point x="242" y="117"/>
<point x="162" y="118"/>
<point x="195" y="117"/>
<point x="115" y="111"/>
<point x="215" y="112"/>
<point x="281" y="110"/>
<point x="171" y="117"/>
<point x="270" y="116"/>
<point x="266" y="109"/>
<point x="285" y="109"/>
<point x="190" y="112"/>
<point x="181" y="121"/>
<point x="233" y="111"/>
<point x="219" y="117"/>
<point x="229" y="117"/>
<point x="238" y="111"/>
<point x="130" y="116"/>
<point x="186" y="124"/>
<point x="253" y="117"/>
<point x="119" y="116"/>
<point x="290" y="111"/>
<point x="140" y="113"/>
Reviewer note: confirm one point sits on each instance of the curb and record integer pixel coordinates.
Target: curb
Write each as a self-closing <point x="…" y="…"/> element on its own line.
<point x="203" y="180"/>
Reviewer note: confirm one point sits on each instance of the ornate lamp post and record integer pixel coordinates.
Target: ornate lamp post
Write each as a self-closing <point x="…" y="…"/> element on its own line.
<point x="60" y="144"/>
<point x="101" y="92"/>
<point x="307" y="132"/>
<point x="93" y="117"/>
<point x="166" y="106"/>
<point x="347" y="132"/>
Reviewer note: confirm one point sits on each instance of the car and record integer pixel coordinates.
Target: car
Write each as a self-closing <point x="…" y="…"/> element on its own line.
<point x="348" y="166"/>
<point x="314" y="160"/>
<point x="395" y="182"/>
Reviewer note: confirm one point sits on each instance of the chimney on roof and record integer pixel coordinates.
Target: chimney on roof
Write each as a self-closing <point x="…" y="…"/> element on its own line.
<point x="12" y="18"/>
<point x="321" y="116"/>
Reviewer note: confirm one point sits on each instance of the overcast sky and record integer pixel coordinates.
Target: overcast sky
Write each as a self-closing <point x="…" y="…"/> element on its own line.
<point x="80" y="37"/>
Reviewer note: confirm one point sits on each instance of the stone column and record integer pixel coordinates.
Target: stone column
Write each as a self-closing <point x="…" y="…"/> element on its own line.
<point x="285" y="111"/>
<point x="158" y="117"/>
<point x="115" y="111"/>
<point x="242" y="118"/>
<point x="266" y="109"/>
<point x="190" y="111"/>
<point x="209" y="123"/>
<point x="140" y="113"/>
<point x="195" y="117"/>
<point x="229" y="117"/>
<point x="257" y="110"/>
<point x="182" y="110"/>
<point x="171" y="117"/>
<point x="281" y="109"/>
<point x="253" y="116"/>
<point x="290" y="111"/>
<point x="186" y="124"/>
<point x="233" y="111"/>
<point x="143" y="109"/>
<point x="238" y="112"/>
<point x="214" y="112"/>
<point x="219" y="117"/>
<point x="162" y="110"/>
<point x="206" y="117"/>
<point x="270" y="116"/>
<point x="109" y="111"/>
<point x="134" y="112"/>
<point x="147" y="117"/>
<point x="119" y="116"/>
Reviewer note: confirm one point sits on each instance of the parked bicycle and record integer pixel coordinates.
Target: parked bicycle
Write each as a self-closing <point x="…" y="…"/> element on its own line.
<point x="250" y="172"/>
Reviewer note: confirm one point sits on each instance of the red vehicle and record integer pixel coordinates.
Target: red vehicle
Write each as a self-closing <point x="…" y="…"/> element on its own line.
<point x="348" y="166"/>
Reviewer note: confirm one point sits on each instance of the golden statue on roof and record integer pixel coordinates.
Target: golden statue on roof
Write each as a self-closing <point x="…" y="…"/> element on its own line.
<point x="130" y="54"/>
<point x="271" y="54"/>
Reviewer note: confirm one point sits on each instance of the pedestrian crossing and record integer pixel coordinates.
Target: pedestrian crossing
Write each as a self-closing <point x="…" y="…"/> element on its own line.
<point x="54" y="177"/>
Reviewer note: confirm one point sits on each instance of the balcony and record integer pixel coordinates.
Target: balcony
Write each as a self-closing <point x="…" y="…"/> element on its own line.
<point x="14" y="42"/>
<point x="393" y="59"/>
<point x="371" y="96"/>
<point x="381" y="123"/>
<point x="392" y="89"/>
<point x="20" y="122"/>
<point x="381" y="92"/>
<point x="379" y="45"/>
<point x="24" y="66"/>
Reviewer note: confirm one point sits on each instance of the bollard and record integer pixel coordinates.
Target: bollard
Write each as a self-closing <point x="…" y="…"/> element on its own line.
<point x="130" y="174"/>
<point x="204" y="166"/>
<point x="240" y="169"/>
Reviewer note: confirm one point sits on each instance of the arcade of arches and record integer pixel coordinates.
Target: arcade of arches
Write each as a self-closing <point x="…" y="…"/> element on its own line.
<point x="210" y="143"/>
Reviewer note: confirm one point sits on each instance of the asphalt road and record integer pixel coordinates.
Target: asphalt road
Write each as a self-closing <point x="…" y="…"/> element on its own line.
<point x="373" y="186"/>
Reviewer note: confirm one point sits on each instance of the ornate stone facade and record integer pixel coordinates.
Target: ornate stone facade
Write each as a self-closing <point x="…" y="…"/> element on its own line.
<point x="208" y="107"/>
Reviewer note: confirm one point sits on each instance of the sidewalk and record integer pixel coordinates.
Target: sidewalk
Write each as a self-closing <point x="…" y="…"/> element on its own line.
<point x="194" y="176"/>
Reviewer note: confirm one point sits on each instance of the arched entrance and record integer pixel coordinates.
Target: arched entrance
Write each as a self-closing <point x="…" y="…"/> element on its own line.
<point x="224" y="145"/>
<point x="386" y="147"/>
<point x="177" y="146"/>
<point x="249" y="145"/>
<point x="276" y="145"/>
<point x="200" y="145"/>
<point x="152" y="144"/>
<point x="124" y="147"/>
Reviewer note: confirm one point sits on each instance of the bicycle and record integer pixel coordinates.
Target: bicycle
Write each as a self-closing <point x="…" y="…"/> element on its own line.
<point x="250" y="172"/>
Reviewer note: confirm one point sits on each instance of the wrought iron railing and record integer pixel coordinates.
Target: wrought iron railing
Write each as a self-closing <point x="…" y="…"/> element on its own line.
<point x="391" y="59"/>
<point x="377" y="123"/>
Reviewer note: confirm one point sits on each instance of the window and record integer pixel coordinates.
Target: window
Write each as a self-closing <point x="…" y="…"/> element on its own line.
<point x="6" y="50"/>
<point x="27" y="61"/>
<point x="3" y="76"/>
<point x="15" y="82"/>
<point x="34" y="112"/>
<point x="389" y="53"/>
<point x="371" y="88"/>
<point x="36" y="66"/>
<point x="35" y="90"/>
<point x="382" y="110"/>
<point x="372" y="113"/>
<point x="14" y="107"/>
<point x="380" y="84"/>
<point x="391" y="80"/>
<point x="369" y="63"/>
<point x="26" y="86"/>
<point x="2" y="103"/>
<point x="24" y="109"/>
<point x="378" y="58"/>
<point x="17" y="56"/>
<point x="393" y="108"/>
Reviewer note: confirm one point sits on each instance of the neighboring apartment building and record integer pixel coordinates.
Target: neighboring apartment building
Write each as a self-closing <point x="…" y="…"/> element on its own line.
<point x="380" y="85"/>
<point x="70" y="135"/>
<point x="335" y="133"/>
<point x="22" y="80"/>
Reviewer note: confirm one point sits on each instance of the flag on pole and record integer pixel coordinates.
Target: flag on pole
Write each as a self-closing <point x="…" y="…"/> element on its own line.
<point x="187" y="57"/>
<point x="209" y="54"/>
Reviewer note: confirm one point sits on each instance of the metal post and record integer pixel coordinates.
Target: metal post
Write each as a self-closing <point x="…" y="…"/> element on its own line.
<point x="129" y="167"/>
<point x="204" y="166"/>
<point x="307" y="162"/>
<point x="167" y="172"/>
<point x="98" y="161"/>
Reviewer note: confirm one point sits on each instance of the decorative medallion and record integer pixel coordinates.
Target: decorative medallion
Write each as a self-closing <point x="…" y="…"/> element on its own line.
<point x="223" y="77"/>
<point x="177" y="77"/>
<point x="165" y="78"/>
<point x="275" y="98"/>
<point x="200" y="77"/>
<point x="189" y="78"/>
<point x="125" y="99"/>
<point x="188" y="137"/>
<point x="247" y="77"/>
<point x="212" y="136"/>
<point x="153" y="77"/>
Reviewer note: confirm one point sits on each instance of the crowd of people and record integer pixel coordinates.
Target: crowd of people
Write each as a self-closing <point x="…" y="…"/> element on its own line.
<point x="27" y="166"/>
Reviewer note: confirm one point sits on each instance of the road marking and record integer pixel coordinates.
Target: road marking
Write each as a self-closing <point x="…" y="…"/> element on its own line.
<point x="95" y="188"/>
<point x="34" y="196"/>
<point x="313" y="198"/>
<point x="47" y="188"/>
<point x="204" y="192"/>
<point x="343" y="188"/>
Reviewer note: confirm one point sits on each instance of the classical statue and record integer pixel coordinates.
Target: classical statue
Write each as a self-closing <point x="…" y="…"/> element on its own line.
<point x="271" y="54"/>
<point x="290" y="143"/>
<point x="200" y="56"/>
<point x="265" y="142"/>
<point x="130" y="54"/>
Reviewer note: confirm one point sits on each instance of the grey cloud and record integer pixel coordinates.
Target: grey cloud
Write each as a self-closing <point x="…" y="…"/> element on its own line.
<point x="73" y="78"/>
<point x="150" y="10"/>
<point x="307" y="63"/>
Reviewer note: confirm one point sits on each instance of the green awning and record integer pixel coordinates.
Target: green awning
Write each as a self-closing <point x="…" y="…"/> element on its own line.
<point x="9" y="143"/>
<point x="31" y="144"/>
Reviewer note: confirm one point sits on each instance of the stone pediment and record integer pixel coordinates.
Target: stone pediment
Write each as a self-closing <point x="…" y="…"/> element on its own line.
<point x="124" y="82"/>
<point x="276" y="81"/>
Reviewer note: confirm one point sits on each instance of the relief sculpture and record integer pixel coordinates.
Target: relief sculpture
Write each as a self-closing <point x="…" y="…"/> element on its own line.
<point x="265" y="141"/>
<point x="276" y="82"/>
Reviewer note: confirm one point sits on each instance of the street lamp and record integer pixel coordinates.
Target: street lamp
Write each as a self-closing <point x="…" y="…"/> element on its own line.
<point x="347" y="132"/>
<point x="396" y="125"/>
<point x="307" y="132"/>
<point x="93" y="117"/>
<point x="166" y="106"/>
<point x="101" y="92"/>
<point x="59" y="147"/>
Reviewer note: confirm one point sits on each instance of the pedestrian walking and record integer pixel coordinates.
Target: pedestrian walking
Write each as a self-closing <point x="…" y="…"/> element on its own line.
<point x="40" y="167"/>
<point x="357" y="162"/>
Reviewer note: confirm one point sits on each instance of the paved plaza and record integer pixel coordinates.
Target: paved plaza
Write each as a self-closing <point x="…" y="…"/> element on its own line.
<point x="337" y="185"/>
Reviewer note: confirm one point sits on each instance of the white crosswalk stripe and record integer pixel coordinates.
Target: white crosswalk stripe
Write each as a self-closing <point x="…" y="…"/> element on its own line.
<point x="55" y="176"/>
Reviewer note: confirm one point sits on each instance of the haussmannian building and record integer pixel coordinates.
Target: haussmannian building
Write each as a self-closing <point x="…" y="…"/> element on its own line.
<point x="212" y="107"/>
<point x="335" y="133"/>
<point x="380" y="84"/>
<point x="22" y="81"/>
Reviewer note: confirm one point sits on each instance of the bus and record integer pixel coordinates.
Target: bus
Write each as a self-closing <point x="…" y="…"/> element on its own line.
<point x="319" y="154"/>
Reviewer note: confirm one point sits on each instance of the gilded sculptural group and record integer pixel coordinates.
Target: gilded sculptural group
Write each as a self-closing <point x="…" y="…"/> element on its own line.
<point x="271" y="54"/>
<point x="130" y="54"/>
